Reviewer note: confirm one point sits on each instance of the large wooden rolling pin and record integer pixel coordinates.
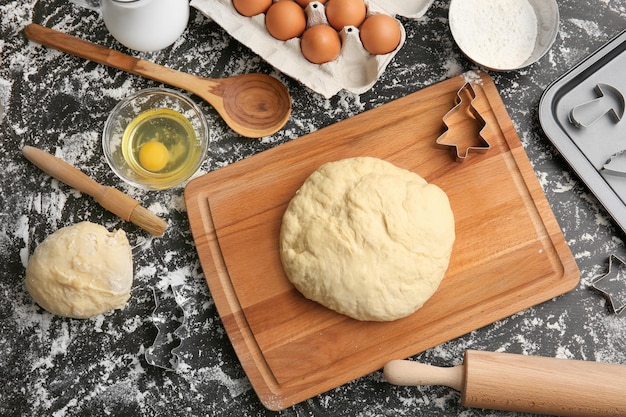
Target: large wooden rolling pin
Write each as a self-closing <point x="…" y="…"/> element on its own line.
<point x="528" y="384"/>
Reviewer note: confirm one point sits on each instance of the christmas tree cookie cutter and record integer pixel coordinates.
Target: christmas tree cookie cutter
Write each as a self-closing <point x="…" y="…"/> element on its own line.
<point x="463" y="116"/>
<point x="170" y="319"/>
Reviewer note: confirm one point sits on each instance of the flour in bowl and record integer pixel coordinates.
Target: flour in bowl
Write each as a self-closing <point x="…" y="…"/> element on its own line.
<point x="499" y="34"/>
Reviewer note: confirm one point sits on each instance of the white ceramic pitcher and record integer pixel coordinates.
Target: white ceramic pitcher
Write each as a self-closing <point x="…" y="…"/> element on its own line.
<point x="142" y="25"/>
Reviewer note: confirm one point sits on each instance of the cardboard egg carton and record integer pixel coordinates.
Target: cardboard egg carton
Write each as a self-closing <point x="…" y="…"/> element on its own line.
<point x="355" y="70"/>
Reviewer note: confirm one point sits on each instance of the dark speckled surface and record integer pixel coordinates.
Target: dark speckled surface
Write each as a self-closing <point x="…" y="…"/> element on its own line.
<point x="52" y="366"/>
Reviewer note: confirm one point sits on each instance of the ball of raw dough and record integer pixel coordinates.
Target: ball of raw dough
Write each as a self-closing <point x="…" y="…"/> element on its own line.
<point x="81" y="271"/>
<point x="367" y="239"/>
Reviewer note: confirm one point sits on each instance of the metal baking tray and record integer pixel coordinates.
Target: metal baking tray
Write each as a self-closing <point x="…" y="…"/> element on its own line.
<point x="581" y="113"/>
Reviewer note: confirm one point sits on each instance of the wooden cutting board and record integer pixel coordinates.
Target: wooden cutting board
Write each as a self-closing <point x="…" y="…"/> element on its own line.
<point x="509" y="252"/>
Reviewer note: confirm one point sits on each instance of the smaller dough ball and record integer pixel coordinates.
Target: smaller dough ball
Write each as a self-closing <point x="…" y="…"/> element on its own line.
<point x="81" y="271"/>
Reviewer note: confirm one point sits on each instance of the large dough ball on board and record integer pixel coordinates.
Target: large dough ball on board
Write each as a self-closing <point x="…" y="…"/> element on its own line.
<point x="81" y="271"/>
<point x="367" y="239"/>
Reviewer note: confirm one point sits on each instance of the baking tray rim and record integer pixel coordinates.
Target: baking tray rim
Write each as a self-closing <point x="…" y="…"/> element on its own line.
<point x="552" y="128"/>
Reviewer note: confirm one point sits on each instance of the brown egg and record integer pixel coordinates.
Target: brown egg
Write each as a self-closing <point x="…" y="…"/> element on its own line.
<point x="304" y="3"/>
<point x="380" y="34"/>
<point x="251" y="8"/>
<point x="342" y="13"/>
<point x="285" y="20"/>
<point x="320" y="44"/>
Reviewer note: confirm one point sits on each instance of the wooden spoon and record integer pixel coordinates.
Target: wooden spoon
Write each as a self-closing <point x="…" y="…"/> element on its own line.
<point x="253" y="105"/>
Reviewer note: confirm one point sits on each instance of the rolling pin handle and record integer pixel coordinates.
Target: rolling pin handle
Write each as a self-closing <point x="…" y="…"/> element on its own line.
<point x="403" y="372"/>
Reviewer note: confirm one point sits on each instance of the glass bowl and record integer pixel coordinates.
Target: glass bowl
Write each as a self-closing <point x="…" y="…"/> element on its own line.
<point x="155" y="139"/>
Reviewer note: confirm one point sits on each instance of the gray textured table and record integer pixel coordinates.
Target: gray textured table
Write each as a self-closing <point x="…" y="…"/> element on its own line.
<point x="56" y="366"/>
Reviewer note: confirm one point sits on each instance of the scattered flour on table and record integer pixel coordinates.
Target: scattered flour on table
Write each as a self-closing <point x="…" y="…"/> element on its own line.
<point x="499" y="34"/>
<point x="21" y="231"/>
<point x="5" y="92"/>
<point x="452" y="67"/>
<point x="590" y="27"/>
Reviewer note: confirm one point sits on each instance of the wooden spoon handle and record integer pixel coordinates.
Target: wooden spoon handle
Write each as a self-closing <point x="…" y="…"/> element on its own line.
<point x="114" y="59"/>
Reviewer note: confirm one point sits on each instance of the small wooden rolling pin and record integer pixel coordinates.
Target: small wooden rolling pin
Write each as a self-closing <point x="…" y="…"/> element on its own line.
<point x="528" y="384"/>
<point x="108" y="197"/>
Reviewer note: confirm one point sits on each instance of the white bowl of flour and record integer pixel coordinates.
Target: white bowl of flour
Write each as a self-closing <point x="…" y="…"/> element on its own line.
<point x="504" y="35"/>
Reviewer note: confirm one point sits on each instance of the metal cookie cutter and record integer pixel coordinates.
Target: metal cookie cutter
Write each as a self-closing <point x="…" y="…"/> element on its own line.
<point x="612" y="285"/>
<point x="170" y="318"/>
<point x="609" y="101"/>
<point x="616" y="165"/>
<point x="464" y="112"/>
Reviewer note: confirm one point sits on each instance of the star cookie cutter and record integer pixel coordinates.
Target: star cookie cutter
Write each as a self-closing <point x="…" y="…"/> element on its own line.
<point x="464" y="112"/>
<point x="612" y="285"/>
<point x="170" y="319"/>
